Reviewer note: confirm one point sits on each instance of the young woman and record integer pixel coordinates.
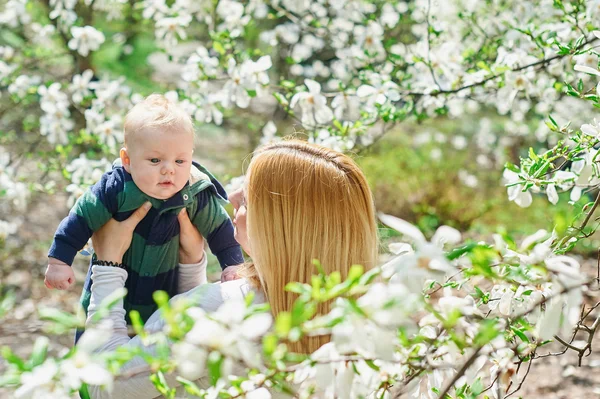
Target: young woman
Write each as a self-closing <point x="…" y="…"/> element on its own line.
<point x="300" y="202"/>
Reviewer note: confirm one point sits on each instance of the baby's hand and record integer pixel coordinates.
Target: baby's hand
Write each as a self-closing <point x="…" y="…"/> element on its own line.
<point x="59" y="275"/>
<point x="229" y="273"/>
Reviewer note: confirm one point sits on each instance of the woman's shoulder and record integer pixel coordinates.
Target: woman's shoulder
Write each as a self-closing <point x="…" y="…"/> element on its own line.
<point x="211" y="296"/>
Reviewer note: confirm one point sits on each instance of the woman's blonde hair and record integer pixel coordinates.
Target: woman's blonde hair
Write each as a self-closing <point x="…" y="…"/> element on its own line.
<point x="306" y="202"/>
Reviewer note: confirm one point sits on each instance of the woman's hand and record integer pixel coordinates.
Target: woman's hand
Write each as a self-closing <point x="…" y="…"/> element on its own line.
<point x="114" y="238"/>
<point x="191" y="242"/>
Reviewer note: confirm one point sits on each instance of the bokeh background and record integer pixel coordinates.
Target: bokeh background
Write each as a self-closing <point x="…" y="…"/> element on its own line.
<point x="445" y="170"/>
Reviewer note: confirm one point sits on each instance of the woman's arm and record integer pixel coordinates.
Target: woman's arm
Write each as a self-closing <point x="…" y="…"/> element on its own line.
<point x="110" y="243"/>
<point x="192" y="267"/>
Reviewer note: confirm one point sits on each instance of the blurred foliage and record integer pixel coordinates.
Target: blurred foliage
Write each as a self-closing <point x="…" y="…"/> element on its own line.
<point x="408" y="183"/>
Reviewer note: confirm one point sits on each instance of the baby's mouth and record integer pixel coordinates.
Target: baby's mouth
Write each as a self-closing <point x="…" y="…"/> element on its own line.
<point x="165" y="184"/>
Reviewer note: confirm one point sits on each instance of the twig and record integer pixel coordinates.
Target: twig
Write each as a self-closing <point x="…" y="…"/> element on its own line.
<point x="524" y="377"/>
<point x="460" y="372"/>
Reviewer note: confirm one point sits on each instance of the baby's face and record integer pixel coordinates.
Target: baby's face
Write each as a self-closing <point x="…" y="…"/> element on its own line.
<point x="159" y="161"/>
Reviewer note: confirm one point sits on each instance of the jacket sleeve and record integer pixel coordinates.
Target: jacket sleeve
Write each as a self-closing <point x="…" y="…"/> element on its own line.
<point x="91" y="211"/>
<point x="214" y="224"/>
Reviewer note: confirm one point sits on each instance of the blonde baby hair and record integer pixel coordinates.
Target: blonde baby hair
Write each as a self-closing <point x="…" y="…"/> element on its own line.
<point x="156" y="111"/>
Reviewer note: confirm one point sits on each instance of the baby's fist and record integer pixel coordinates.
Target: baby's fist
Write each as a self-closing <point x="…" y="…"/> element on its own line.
<point x="229" y="273"/>
<point x="59" y="275"/>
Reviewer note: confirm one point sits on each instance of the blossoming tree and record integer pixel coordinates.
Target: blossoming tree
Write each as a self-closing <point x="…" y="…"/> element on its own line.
<point x="443" y="317"/>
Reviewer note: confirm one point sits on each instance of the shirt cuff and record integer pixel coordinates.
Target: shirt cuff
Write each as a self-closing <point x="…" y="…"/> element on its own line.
<point x="105" y="281"/>
<point x="192" y="275"/>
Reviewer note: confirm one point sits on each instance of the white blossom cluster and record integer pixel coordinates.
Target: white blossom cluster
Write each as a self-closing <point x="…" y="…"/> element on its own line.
<point x="368" y="79"/>
<point x="84" y="173"/>
<point x="412" y="330"/>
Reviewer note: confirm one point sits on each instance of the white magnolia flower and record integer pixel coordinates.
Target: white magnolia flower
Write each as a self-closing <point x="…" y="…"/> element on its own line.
<point x="6" y="229"/>
<point x="85" y="171"/>
<point x="53" y="99"/>
<point x="591" y="129"/>
<point x="39" y="382"/>
<point x="389" y="16"/>
<point x="313" y="104"/>
<point x="515" y="190"/>
<point x="427" y="263"/>
<point x="379" y="92"/>
<point x="111" y="91"/>
<point x="75" y="192"/>
<point x="85" y="39"/>
<point x="563" y="312"/>
<point x="502" y="372"/>
<point x="236" y="89"/>
<point x="346" y="107"/>
<point x="190" y="360"/>
<point x="109" y="132"/>
<point x="14" y="13"/>
<point x="552" y="194"/>
<point x="586" y="174"/>
<point x="233" y="16"/>
<point x="20" y="87"/>
<point x="325" y="138"/>
<point x="168" y="30"/>
<point x="55" y="123"/>
<point x="587" y="69"/>
<point x="207" y="110"/>
<point x="83" y="366"/>
<point x="154" y="9"/>
<point x="200" y="62"/>
<point x="79" y="88"/>
<point x="258" y="70"/>
<point x="6" y="69"/>
<point x="269" y="133"/>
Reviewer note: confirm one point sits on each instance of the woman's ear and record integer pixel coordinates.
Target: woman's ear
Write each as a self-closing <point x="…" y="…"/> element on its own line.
<point x="125" y="160"/>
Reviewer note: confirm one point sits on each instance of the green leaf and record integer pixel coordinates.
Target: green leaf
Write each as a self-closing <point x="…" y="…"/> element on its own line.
<point x="520" y="334"/>
<point x="288" y="84"/>
<point x="39" y="352"/>
<point x="355" y="272"/>
<point x="161" y="385"/>
<point x="161" y="298"/>
<point x="283" y="323"/>
<point x="190" y="387"/>
<point x="458" y="252"/>
<point x="60" y="317"/>
<point x="136" y="322"/>
<point x="487" y="332"/>
<point x="83" y="392"/>
<point x="298" y="288"/>
<point x="270" y="342"/>
<point x="13" y="359"/>
<point x="9" y="380"/>
<point x="7" y="302"/>
<point x="218" y="47"/>
<point x="215" y="360"/>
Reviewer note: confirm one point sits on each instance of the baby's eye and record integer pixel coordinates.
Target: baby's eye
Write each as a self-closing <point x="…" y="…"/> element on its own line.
<point x="155" y="160"/>
<point x="180" y="161"/>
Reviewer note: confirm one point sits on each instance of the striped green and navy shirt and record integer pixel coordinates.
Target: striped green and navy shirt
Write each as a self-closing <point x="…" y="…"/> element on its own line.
<point x="153" y="257"/>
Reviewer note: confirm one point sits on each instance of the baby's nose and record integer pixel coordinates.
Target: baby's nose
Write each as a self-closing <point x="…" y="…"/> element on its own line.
<point x="167" y="169"/>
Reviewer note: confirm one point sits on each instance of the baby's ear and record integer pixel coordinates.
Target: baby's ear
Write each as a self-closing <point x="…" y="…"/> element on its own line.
<point x="125" y="160"/>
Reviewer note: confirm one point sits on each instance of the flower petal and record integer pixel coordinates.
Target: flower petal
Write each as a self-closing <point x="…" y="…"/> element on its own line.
<point x="402" y="226"/>
<point x="587" y="69"/>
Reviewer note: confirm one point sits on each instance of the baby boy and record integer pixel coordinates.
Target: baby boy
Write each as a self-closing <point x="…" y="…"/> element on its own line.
<point x="156" y="166"/>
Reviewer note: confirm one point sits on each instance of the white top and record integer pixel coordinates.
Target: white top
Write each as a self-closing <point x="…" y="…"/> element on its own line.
<point x="134" y="382"/>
